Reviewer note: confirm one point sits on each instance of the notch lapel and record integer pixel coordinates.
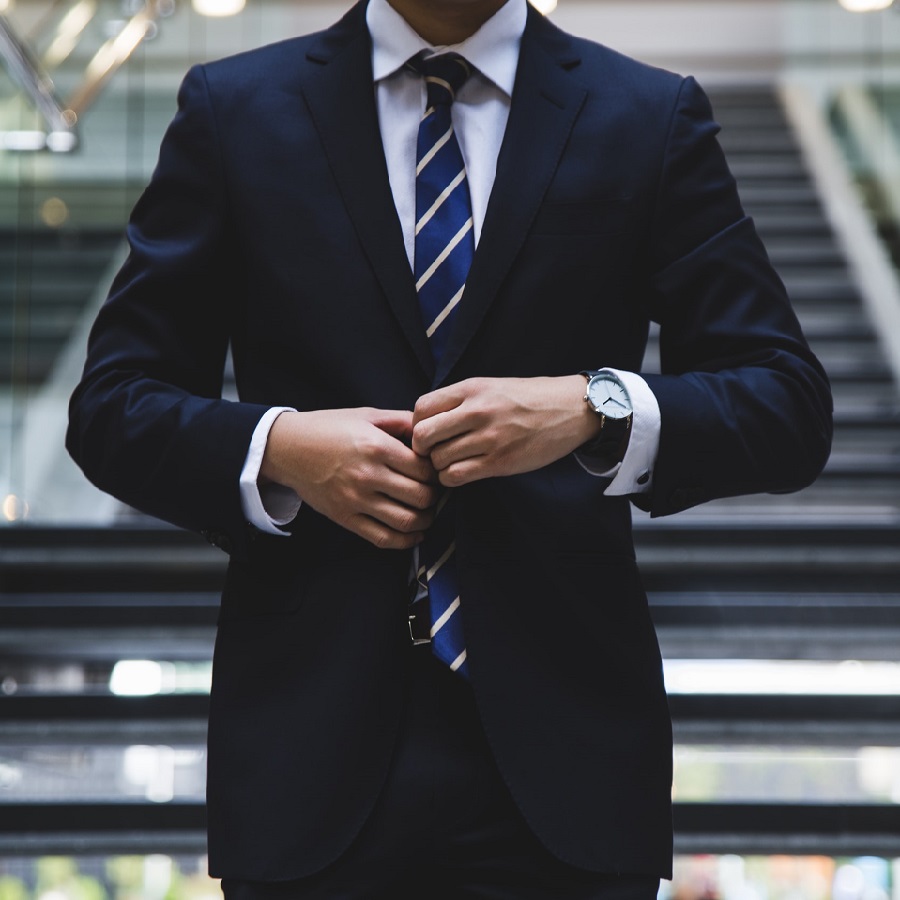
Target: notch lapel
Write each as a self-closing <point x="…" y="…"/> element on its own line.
<point x="545" y="104"/>
<point x="340" y="95"/>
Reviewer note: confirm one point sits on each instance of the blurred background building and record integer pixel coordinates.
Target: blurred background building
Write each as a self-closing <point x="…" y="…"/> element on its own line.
<point x="779" y="616"/>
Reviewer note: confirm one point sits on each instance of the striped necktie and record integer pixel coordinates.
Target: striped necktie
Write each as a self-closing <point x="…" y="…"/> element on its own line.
<point x="444" y="247"/>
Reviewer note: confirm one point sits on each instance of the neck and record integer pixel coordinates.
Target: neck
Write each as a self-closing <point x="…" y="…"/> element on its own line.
<point x="442" y="22"/>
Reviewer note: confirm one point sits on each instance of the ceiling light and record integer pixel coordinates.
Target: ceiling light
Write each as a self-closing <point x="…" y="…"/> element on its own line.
<point x="219" y="8"/>
<point x="865" y="5"/>
<point x="545" y="7"/>
<point x="68" y="32"/>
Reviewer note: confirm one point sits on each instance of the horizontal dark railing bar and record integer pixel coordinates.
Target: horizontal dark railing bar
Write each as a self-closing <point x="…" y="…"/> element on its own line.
<point x="144" y="559"/>
<point x="777" y="533"/>
<point x="838" y="829"/>
<point x="60" y="547"/>
<point x="102" y="708"/>
<point x="182" y="610"/>
<point x="785" y="707"/>
<point x="780" y="643"/>
<point x="24" y="818"/>
<point x="705" y="550"/>
<point x="816" y="609"/>
<point x="708" y="707"/>
<point x="27" y="647"/>
<point x="118" y="609"/>
<point x="792" y="829"/>
<point x="181" y="842"/>
<point x="170" y="554"/>
<point x="788" y="818"/>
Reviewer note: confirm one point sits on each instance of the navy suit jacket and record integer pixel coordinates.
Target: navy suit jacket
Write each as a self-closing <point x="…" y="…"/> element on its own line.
<point x="269" y="224"/>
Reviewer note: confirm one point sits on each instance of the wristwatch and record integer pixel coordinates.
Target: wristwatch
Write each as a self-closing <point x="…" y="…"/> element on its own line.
<point x="607" y="396"/>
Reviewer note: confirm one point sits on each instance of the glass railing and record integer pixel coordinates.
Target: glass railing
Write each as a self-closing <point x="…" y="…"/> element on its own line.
<point x="112" y="69"/>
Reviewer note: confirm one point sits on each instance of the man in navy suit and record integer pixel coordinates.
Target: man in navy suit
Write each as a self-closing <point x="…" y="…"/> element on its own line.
<point x="345" y="759"/>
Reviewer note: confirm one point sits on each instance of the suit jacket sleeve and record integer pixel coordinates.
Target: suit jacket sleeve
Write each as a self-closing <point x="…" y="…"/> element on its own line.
<point x="147" y="422"/>
<point x="745" y="405"/>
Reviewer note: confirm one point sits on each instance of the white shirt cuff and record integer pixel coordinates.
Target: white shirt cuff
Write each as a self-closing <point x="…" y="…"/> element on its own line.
<point x="634" y="474"/>
<point x="269" y="505"/>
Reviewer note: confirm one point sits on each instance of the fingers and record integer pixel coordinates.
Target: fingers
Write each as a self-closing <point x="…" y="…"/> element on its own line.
<point x="398" y="423"/>
<point x="464" y="446"/>
<point x="378" y="472"/>
<point x="398" y="517"/>
<point x="382" y="536"/>
<point x="463" y="472"/>
<point x="443" y="416"/>
<point x="392" y="525"/>
<point x="409" y="491"/>
<point x="441" y="400"/>
<point x="489" y="427"/>
<point x="405" y="461"/>
<point x="353" y="466"/>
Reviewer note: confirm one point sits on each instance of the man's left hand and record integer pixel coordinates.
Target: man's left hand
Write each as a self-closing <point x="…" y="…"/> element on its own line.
<point x="485" y="427"/>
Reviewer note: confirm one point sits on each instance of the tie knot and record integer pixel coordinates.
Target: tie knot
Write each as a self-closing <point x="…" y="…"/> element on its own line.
<point x="444" y="75"/>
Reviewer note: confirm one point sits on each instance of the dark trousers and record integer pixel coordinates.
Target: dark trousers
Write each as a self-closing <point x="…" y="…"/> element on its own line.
<point x="445" y="827"/>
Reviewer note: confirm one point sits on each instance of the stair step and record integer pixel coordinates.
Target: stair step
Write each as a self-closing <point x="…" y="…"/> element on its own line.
<point x="743" y="97"/>
<point x="781" y="167"/>
<point x="825" y="286"/>
<point x="743" y="143"/>
<point x="877" y="464"/>
<point x="854" y="361"/>
<point x="49" y="264"/>
<point x="725" y="554"/>
<point x="885" y="440"/>
<point x="774" y="222"/>
<point x="47" y="293"/>
<point x="786" y="257"/>
<point x="146" y="559"/>
<point x="831" y="502"/>
<point x="46" y="277"/>
<point x="837" y="321"/>
<point x="772" y="196"/>
<point x="747" y="118"/>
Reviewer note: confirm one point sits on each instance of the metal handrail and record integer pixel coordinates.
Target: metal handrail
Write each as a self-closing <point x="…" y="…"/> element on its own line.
<point x="28" y="74"/>
<point x="62" y="118"/>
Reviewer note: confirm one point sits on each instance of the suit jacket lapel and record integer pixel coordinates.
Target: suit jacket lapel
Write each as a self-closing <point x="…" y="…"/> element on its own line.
<point x="546" y="101"/>
<point x="341" y="98"/>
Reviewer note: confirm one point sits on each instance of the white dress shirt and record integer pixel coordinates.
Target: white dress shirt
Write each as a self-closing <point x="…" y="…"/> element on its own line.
<point x="479" y="112"/>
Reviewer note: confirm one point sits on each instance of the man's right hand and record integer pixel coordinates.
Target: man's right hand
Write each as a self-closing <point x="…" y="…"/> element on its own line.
<point x="353" y="466"/>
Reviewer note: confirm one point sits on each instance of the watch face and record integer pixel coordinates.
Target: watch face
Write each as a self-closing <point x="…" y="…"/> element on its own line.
<point x="608" y="395"/>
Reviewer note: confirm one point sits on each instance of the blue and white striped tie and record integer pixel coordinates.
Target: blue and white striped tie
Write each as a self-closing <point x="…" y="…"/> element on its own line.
<point x="444" y="247"/>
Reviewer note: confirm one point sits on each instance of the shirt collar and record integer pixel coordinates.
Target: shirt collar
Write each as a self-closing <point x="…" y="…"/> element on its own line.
<point x="493" y="50"/>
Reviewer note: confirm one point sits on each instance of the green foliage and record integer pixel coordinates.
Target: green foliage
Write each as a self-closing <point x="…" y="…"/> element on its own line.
<point x="12" y="888"/>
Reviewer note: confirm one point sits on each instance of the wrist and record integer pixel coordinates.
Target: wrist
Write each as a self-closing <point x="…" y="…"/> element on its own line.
<point x="280" y="449"/>
<point x="586" y="422"/>
<point x="606" y="397"/>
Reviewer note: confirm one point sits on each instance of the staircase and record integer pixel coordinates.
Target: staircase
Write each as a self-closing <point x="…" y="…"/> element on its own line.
<point x="862" y="479"/>
<point x="809" y="576"/>
<point x="56" y="243"/>
<point x="859" y="492"/>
